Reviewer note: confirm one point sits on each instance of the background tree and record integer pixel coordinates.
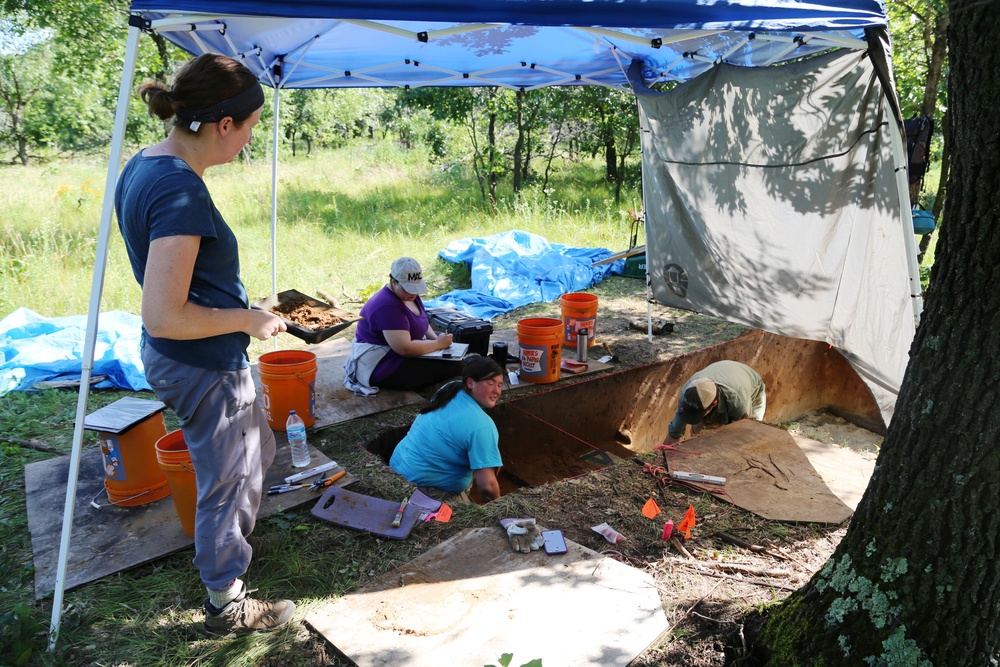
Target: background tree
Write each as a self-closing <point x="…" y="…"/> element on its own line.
<point x="25" y="68"/>
<point x="920" y="61"/>
<point x="479" y="111"/>
<point x="916" y="579"/>
<point x="528" y="105"/>
<point x="613" y="116"/>
<point x="79" y="70"/>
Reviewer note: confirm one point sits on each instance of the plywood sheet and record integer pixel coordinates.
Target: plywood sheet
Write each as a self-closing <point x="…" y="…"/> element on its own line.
<point x="776" y="475"/>
<point x="471" y="599"/>
<point x="335" y="403"/>
<point x="109" y="539"/>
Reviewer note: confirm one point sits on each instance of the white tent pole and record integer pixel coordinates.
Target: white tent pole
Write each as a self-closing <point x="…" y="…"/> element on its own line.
<point x="910" y="239"/>
<point x="90" y="342"/>
<point x="274" y="190"/>
<point x="645" y="230"/>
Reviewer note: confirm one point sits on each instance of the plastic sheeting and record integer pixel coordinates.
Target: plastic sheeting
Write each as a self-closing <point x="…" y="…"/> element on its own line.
<point x="516" y="268"/>
<point x="510" y="269"/>
<point x="771" y="201"/>
<point x="34" y="348"/>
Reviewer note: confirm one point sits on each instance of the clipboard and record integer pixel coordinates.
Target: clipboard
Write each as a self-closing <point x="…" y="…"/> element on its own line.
<point x="454" y="352"/>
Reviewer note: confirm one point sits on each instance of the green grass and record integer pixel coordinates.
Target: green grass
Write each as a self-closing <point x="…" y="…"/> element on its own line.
<point x="343" y="217"/>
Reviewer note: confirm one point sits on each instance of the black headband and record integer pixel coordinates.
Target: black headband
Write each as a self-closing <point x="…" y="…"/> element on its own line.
<point x="238" y="106"/>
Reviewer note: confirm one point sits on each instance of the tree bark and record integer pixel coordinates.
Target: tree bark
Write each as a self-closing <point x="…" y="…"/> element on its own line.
<point x="519" y="144"/>
<point x="916" y="579"/>
<point x="935" y="65"/>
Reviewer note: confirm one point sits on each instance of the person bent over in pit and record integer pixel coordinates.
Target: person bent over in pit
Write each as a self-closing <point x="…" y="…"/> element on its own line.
<point x="719" y="394"/>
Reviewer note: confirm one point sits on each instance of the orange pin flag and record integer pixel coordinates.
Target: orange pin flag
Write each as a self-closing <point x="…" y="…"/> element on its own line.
<point x="443" y="513"/>
<point x="687" y="523"/>
<point x="650" y="509"/>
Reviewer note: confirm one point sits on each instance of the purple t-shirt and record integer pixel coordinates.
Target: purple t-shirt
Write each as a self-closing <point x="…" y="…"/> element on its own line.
<point x="386" y="311"/>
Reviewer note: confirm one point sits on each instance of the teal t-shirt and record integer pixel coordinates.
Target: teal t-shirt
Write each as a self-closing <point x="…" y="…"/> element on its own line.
<point x="443" y="447"/>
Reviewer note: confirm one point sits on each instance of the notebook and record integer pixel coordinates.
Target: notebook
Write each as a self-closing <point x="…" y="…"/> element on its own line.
<point x="454" y="352"/>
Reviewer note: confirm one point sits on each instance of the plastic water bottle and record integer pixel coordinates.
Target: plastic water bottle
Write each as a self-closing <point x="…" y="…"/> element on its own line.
<point x="295" y="429"/>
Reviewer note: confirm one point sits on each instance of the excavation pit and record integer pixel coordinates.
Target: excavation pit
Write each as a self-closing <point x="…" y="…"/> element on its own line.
<point x="568" y="431"/>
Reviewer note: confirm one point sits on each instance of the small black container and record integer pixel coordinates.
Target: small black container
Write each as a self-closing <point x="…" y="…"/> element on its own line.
<point x="500" y="353"/>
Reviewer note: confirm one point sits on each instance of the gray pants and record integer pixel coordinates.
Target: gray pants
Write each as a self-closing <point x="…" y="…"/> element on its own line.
<point x="231" y="448"/>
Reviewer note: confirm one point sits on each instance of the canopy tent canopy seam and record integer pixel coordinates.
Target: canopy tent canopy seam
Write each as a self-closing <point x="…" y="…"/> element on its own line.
<point x="330" y="50"/>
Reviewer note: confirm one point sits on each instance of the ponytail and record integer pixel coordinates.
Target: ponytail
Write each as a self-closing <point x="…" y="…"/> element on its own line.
<point x="477" y="368"/>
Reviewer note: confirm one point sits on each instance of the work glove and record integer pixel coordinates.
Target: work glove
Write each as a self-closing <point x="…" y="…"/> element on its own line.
<point x="524" y="536"/>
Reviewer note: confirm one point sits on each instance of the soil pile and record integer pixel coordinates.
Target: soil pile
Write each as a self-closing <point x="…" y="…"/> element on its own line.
<point x="306" y="315"/>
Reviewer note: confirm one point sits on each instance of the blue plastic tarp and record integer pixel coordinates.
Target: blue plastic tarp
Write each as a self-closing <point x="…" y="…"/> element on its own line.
<point x="516" y="268"/>
<point x="34" y="348"/>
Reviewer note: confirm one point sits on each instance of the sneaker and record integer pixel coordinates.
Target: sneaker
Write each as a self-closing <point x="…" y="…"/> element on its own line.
<point x="245" y="615"/>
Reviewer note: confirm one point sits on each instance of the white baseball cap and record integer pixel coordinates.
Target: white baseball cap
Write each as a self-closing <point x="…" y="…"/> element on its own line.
<point x="407" y="272"/>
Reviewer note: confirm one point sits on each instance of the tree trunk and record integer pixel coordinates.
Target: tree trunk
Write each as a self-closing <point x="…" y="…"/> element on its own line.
<point x="916" y="579"/>
<point x="610" y="158"/>
<point x="935" y="68"/>
<point x="163" y="51"/>
<point x="935" y="65"/>
<point x="519" y="144"/>
<point x="939" y="199"/>
<point x="491" y="138"/>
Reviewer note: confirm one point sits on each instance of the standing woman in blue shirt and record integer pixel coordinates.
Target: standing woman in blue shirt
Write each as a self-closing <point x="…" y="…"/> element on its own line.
<point x="197" y="322"/>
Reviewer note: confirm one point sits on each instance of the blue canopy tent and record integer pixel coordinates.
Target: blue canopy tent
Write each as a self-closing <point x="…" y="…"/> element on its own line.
<point x="517" y="44"/>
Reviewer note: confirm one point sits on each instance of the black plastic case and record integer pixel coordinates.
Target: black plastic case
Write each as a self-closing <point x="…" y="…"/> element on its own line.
<point x="464" y="328"/>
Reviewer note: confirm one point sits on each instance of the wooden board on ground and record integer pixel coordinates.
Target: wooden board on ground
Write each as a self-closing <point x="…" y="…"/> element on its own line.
<point x="110" y="539"/>
<point x="777" y="475"/>
<point x="335" y="403"/>
<point x="471" y="599"/>
<point x="509" y="336"/>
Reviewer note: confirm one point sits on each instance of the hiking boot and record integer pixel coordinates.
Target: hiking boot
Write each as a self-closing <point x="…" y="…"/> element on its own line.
<point x="245" y="615"/>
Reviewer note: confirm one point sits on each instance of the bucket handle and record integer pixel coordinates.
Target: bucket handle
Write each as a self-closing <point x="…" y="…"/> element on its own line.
<point x="112" y="503"/>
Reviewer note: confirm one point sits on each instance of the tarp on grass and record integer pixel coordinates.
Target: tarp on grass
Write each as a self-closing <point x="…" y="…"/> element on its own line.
<point x="509" y="270"/>
<point x="34" y="348"/>
<point x="515" y="268"/>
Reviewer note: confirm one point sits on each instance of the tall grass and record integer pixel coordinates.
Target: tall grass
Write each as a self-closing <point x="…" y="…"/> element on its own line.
<point x="342" y="217"/>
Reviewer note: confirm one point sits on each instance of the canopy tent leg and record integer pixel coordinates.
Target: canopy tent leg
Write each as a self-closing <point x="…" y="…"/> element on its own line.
<point x="90" y="341"/>
<point x="274" y="193"/>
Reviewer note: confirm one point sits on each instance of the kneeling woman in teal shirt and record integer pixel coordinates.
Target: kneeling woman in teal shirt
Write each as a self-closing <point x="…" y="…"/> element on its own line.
<point x="453" y="441"/>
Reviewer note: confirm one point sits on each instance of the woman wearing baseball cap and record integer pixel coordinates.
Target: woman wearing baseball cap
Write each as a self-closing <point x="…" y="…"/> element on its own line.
<point x="392" y="336"/>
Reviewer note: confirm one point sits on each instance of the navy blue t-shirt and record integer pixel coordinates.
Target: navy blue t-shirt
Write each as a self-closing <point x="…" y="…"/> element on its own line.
<point x="161" y="196"/>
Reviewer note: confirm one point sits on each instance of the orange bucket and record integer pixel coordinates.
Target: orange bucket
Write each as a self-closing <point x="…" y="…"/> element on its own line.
<point x="288" y="382"/>
<point x="175" y="460"/>
<point x="131" y="476"/>
<point x="540" y="343"/>
<point x="579" y="311"/>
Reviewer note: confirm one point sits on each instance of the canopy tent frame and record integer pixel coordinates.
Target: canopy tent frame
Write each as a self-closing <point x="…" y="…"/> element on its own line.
<point x="701" y="42"/>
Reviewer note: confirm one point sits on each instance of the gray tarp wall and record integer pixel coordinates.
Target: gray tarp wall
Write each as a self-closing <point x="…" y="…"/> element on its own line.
<point x="771" y="200"/>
